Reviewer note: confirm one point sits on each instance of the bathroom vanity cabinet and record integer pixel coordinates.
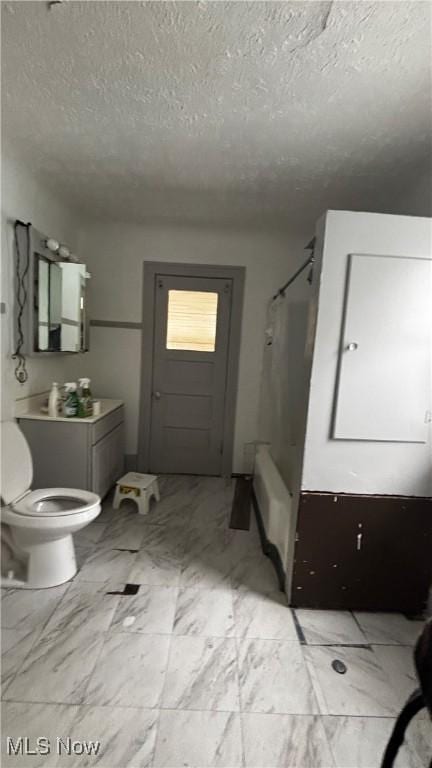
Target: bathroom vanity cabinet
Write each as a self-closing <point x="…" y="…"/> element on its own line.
<point x="76" y="453"/>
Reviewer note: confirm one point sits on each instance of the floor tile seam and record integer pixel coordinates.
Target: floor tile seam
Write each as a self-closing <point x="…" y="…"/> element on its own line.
<point x="354" y="617"/>
<point x="200" y="708"/>
<point x="162" y="552"/>
<point x="128" y="579"/>
<point x="240" y="701"/>
<point x="102" y="546"/>
<point x="361" y="646"/>
<point x="411" y="646"/>
<point x="101" y="549"/>
<point x="220" y="588"/>
<point x="82" y="628"/>
<point x="314" y="676"/>
<point x="106" y="582"/>
<point x="329" y="745"/>
<point x="48" y="617"/>
<point x="298" y="627"/>
<point x="202" y="635"/>
<point x="71" y="583"/>
<point x="313" y="680"/>
<point x="165" y="675"/>
<point x="386" y="674"/>
<point x="103" y="639"/>
<point x="223" y="591"/>
<point x="160" y="707"/>
<point x="342" y="715"/>
<point x="80" y="704"/>
<point x="179" y="589"/>
<point x="54" y="609"/>
<point x="156" y="737"/>
<point x="120" y="597"/>
<point x="37" y="637"/>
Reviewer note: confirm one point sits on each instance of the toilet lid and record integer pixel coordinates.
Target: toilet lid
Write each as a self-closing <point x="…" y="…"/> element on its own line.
<point x="16" y="462"/>
<point x="47" y="502"/>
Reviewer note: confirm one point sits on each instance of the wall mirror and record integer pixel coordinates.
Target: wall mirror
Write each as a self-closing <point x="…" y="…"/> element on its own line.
<point x="59" y="302"/>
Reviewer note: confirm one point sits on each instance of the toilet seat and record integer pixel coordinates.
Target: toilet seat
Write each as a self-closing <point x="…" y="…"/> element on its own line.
<point x="58" y="502"/>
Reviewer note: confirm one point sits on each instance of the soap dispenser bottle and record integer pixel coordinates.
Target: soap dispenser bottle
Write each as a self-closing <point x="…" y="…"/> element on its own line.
<point x="85" y="400"/>
<point x="70" y="408"/>
<point x="54" y="401"/>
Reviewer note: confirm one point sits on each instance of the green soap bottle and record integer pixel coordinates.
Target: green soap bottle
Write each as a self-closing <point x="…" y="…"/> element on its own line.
<point x="71" y="405"/>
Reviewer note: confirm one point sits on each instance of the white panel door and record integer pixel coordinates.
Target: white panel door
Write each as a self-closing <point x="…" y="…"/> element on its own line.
<point x="384" y="388"/>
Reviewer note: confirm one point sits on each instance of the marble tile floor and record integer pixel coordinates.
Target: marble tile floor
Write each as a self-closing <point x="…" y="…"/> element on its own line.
<point x="205" y="665"/>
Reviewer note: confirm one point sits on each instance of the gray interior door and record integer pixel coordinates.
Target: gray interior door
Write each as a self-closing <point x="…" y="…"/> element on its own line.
<point x="191" y="332"/>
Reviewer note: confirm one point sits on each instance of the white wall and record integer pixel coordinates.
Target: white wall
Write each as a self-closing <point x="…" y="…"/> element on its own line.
<point x="415" y="199"/>
<point x="342" y="466"/>
<point x="115" y="255"/>
<point x="23" y="198"/>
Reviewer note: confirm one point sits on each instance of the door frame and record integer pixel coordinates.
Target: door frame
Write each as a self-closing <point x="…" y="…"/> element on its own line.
<point x="164" y="268"/>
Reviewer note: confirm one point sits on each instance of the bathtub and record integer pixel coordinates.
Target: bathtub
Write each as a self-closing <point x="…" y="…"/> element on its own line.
<point x="275" y="502"/>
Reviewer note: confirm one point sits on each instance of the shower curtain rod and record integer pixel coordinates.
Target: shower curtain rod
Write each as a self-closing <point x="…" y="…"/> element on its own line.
<point x="310" y="247"/>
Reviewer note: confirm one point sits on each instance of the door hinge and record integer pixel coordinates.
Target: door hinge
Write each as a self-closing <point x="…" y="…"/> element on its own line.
<point x="160" y="283"/>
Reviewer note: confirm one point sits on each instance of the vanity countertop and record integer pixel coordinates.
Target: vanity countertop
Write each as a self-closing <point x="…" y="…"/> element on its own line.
<point x="107" y="406"/>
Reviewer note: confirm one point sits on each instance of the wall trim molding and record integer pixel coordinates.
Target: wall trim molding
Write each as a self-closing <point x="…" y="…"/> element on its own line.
<point x="116" y="324"/>
<point x="67" y="321"/>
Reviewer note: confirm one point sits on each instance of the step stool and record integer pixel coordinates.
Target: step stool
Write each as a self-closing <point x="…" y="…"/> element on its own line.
<point x="138" y="488"/>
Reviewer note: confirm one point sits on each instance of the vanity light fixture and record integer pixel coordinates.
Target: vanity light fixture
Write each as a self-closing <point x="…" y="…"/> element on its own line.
<point x="64" y="252"/>
<point x="52" y="244"/>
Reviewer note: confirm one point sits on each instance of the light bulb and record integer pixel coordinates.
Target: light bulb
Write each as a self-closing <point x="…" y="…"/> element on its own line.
<point x="52" y="245"/>
<point x="64" y="252"/>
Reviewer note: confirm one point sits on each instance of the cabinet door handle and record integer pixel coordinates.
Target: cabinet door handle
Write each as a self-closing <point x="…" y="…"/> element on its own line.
<point x="359" y="541"/>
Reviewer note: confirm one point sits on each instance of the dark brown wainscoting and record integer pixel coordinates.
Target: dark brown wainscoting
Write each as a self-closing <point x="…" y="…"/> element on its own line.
<point x="363" y="552"/>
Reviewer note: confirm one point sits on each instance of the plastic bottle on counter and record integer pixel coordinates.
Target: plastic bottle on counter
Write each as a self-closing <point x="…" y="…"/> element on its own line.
<point x="54" y="401"/>
<point x="71" y="405"/>
<point x="85" y="407"/>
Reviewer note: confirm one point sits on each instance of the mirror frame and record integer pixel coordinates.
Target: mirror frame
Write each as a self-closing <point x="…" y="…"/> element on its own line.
<point x="39" y="251"/>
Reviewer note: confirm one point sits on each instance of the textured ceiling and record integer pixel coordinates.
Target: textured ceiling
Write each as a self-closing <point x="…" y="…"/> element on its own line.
<point x="242" y="111"/>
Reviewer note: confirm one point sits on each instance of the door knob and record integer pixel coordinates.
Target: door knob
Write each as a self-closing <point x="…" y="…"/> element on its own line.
<point x="352" y="346"/>
<point x="157" y="395"/>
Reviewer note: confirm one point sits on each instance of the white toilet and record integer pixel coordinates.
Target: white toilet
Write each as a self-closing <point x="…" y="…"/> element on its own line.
<point x="41" y="522"/>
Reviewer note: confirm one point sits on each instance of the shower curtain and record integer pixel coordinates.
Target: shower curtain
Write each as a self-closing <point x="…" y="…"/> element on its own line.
<point x="281" y="421"/>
